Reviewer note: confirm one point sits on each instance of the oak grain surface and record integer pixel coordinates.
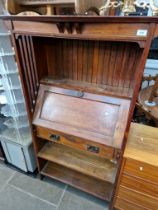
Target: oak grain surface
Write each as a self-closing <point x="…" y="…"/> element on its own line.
<point x="88" y="184"/>
<point x="138" y="182"/>
<point x="82" y="162"/>
<point x="102" y="58"/>
<point x="142" y="144"/>
<point x="76" y="142"/>
<point x="138" y="198"/>
<point x="102" y="120"/>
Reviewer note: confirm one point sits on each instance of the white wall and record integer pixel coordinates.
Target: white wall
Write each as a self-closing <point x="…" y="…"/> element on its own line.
<point x="1" y="6"/>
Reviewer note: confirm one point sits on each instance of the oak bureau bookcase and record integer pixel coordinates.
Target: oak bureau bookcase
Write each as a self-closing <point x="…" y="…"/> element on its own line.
<point x="81" y="76"/>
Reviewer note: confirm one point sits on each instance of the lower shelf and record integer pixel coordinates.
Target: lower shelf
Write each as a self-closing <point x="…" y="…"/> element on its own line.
<point x="85" y="183"/>
<point x="77" y="160"/>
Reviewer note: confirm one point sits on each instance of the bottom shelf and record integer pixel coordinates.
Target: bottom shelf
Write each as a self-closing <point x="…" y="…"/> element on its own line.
<point x="85" y="183"/>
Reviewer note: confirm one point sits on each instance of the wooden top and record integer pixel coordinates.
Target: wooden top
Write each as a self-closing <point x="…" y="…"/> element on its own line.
<point x="83" y="18"/>
<point x="142" y="144"/>
<point x="97" y="118"/>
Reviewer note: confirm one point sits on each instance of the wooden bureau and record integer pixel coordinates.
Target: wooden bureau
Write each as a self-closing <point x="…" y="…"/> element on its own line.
<point x="81" y="76"/>
<point x="138" y="182"/>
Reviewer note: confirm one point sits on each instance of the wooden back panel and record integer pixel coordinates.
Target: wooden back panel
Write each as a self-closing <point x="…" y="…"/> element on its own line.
<point x="99" y="62"/>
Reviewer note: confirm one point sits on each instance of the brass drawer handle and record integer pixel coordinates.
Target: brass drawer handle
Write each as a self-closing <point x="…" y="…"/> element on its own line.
<point x="54" y="137"/>
<point x="141" y="168"/>
<point x="93" y="149"/>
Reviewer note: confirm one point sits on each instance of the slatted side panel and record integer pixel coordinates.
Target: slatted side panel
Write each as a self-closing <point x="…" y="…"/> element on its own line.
<point x="109" y="63"/>
<point x="28" y="68"/>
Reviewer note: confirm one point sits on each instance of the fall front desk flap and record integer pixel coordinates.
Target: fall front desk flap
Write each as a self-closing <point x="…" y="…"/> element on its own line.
<point x="97" y="118"/>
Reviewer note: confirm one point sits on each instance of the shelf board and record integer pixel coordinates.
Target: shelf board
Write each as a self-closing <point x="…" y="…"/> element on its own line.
<point x="80" y="161"/>
<point x="87" y="184"/>
<point x="48" y="2"/>
<point x="89" y="87"/>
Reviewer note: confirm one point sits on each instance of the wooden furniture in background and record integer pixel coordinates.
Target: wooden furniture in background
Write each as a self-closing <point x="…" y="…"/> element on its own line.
<point x="49" y="7"/>
<point x="57" y="7"/>
<point x="154" y="90"/>
<point x="81" y="5"/>
<point x="148" y="100"/>
<point x="81" y="77"/>
<point x="14" y="7"/>
<point x="138" y="182"/>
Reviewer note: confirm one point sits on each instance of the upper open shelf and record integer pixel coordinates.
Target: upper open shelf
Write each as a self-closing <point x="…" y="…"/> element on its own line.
<point x="107" y="68"/>
<point x="97" y="66"/>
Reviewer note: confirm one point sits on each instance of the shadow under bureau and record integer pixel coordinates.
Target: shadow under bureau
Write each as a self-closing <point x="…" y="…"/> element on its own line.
<point x="80" y="77"/>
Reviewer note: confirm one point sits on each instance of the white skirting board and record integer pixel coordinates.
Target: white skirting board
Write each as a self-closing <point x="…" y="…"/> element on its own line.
<point x="22" y="157"/>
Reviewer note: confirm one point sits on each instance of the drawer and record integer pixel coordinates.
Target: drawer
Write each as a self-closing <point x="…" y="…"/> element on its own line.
<point x="121" y="204"/>
<point x="140" y="185"/>
<point x="138" y="198"/>
<point x="84" y="30"/>
<point x="142" y="170"/>
<point x="75" y="142"/>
